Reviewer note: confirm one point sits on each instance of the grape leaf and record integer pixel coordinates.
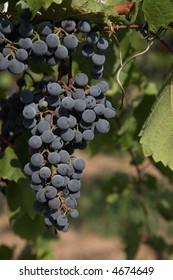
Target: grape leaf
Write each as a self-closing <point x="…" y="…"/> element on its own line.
<point x="10" y="167"/>
<point x="20" y="199"/>
<point x="158" y="13"/>
<point x="28" y="228"/>
<point x="157" y="131"/>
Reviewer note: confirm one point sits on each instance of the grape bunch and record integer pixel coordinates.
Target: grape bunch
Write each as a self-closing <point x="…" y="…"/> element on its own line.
<point x="62" y="118"/>
<point x="62" y="115"/>
<point x="48" y="43"/>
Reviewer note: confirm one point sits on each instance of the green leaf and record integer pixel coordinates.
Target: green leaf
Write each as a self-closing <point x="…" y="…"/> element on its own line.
<point x="35" y="6"/>
<point x="158" y="13"/>
<point x="28" y="228"/>
<point x="132" y="239"/>
<point x="10" y="167"/>
<point x="20" y="198"/>
<point x="157" y="132"/>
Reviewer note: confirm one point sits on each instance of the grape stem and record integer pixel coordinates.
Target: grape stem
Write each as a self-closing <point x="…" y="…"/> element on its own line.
<point x="122" y="67"/>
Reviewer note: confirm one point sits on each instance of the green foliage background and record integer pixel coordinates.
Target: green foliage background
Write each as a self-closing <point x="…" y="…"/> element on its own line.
<point x="130" y="206"/>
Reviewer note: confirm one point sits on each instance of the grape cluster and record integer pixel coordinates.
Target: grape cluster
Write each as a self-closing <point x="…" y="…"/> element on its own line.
<point x="46" y="43"/>
<point x="62" y="118"/>
<point x="61" y="115"/>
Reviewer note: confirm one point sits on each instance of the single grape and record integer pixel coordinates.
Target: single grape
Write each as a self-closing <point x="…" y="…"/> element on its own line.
<point x="88" y="116"/>
<point x="36" y="179"/>
<point x="102" y="126"/>
<point x="35" y="142"/>
<point x="52" y="40"/>
<point x="84" y="26"/>
<point x="88" y="135"/>
<point x="45" y="172"/>
<point x="79" y="105"/>
<point x="81" y="79"/>
<point x="67" y="135"/>
<point x="57" y="181"/>
<point x="68" y="25"/>
<point x="79" y="164"/>
<point x="53" y="158"/>
<point x="70" y="41"/>
<point x="61" y="52"/>
<point x="98" y="59"/>
<point x="47" y="136"/>
<point x="39" y="48"/>
<point x="74" y="185"/>
<point x="63" y="123"/>
<point x="54" y="204"/>
<point x="25" y="43"/>
<point x="90" y="102"/>
<point x="78" y="94"/>
<point x="99" y="109"/>
<point x="37" y="160"/>
<point x="68" y="103"/>
<point x="62" y="220"/>
<point x="102" y="44"/>
<point x="43" y="126"/>
<point x="64" y="156"/>
<point x="74" y="214"/>
<point x="40" y="195"/>
<point x="6" y="51"/>
<point x="16" y="67"/>
<point x="29" y="112"/>
<point x="50" y="192"/>
<point x="95" y="91"/>
<point x="54" y="89"/>
<point x="109" y="113"/>
<point x="63" y="169"/>
<point x="21" y="54"/>
<point x="71" y="202"/>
